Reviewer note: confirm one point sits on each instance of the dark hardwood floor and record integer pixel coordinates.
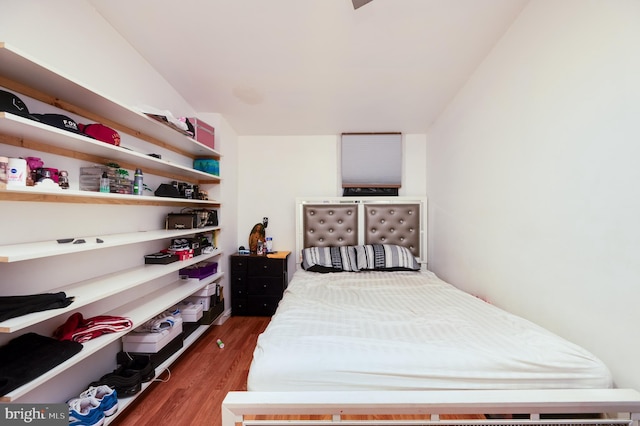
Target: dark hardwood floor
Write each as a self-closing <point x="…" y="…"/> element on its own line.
<point x="199" y="379"/>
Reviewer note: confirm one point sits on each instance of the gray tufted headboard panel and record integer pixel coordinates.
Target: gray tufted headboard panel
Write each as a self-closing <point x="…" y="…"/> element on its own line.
<point x="368" y="220"/>
<point x="397" y="224"/>
<point x="327" y="225"/>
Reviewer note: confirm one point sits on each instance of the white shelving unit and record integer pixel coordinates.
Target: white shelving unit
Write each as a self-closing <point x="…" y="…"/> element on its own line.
<point x="89" y="291"/>
<point x="138" y="311"/>
<point x="27" y="76"/>
<point x="27" y="251"/>
<point x="25" y="129"/>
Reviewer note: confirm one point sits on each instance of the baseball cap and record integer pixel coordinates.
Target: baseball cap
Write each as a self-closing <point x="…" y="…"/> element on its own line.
<point x="60" y="121"/>
<point x="100" y="132"/>
<point x="13" y="104"/>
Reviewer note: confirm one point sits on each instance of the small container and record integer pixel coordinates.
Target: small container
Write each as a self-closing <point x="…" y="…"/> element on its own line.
<point x="104" y="183"/>
<point x="63" y="179"/>
<point x="17" y="172"/>
<point x="138" y="186"/>
<point x="269" y="245"/>
<point x="260" y="249"/>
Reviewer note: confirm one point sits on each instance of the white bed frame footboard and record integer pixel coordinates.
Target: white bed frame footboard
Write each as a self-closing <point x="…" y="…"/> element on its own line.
<point x="532" y="407"/>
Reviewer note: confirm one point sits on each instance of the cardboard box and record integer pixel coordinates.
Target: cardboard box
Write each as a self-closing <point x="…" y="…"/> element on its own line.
<point x="182" y="254"/>
<point x="181" y="221"/>
<point x="151" y="342"/>
<point x="206" y="302"/>
<point x="209" y="290"/>
<point x="200" y="270"/>
<point x="163" y="354"/>
<point x="190" y="312"/>
<point x="204" y="133"/>
<point x="160" y="258"/>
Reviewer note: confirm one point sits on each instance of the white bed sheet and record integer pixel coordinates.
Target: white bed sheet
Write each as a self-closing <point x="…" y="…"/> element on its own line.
<point x="408" y="331"/>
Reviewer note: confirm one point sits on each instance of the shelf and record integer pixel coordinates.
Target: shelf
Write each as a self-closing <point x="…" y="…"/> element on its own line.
<point x="138" y="312"/>
<point x="39" y="136"/>
<point x="21" y="68"/>
<point x="58" y="195"/>
<point x="28" y="251"/>
<point x="89" y="291"/>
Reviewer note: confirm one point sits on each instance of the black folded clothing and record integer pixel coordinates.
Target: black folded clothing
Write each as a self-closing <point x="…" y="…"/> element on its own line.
<point x="29" y="356"/>
<point x="15" y="306"/>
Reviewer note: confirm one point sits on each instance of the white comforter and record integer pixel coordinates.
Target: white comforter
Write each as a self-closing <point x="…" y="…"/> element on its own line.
<point x="408" y="331"/>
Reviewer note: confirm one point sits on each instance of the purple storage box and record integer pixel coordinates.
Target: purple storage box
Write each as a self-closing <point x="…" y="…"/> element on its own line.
<point x="200" y="270"/>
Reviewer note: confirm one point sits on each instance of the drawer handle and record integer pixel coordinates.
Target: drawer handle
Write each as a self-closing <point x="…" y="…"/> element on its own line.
<point x="264" y="286"/>
<point x="265" y="266"/>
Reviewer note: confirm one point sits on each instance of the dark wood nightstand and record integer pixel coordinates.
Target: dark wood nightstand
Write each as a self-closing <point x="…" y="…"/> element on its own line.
<point x="257" y="282"/>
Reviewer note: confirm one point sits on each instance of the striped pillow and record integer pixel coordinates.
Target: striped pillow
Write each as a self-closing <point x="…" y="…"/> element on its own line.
<point x="385" y="257"/>
<point x="329" y="259"/>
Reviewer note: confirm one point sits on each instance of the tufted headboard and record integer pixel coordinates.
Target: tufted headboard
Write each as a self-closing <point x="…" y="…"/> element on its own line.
<point x="370" y="220"/>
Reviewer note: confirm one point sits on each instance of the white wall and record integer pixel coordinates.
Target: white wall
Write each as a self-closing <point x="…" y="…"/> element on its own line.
<point x="532" y="174"/>
<point x="71" y="37"/>
<point x="275" y="170"/>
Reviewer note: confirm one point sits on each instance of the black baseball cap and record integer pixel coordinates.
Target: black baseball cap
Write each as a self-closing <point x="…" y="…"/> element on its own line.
<point x="60" y="121"/>
<point x="13" y="104"/>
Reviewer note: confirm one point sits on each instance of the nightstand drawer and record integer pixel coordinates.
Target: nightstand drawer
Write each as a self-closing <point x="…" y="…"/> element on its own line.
<point x="265" y="286"/>
<point x="239" y="307"/>
<point x="264" y="266"/>
<point x="239" y="264"/>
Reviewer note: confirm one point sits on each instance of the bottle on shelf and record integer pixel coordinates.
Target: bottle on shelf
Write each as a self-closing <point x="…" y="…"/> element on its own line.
<point x="104" y="183"/>
<point x="138" y="186"/>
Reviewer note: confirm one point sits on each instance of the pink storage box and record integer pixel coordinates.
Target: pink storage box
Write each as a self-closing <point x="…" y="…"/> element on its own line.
<point x="204" y="133"/>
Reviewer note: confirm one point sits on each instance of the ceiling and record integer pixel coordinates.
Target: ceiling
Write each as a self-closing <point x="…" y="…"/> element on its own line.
<point x="314" y="67"/>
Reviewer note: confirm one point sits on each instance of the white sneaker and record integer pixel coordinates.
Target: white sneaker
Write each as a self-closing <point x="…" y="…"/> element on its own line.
<point x="107" y="397"/>
<point x="85" y="412"/>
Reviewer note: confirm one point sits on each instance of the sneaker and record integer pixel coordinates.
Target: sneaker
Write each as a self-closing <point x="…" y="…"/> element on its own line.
<point x="137" y="363"/>
<point x="125" y="382"/>
<point x="107" y="397"/>
<point x="160" y="322"/>
<point x="85" y="412"/>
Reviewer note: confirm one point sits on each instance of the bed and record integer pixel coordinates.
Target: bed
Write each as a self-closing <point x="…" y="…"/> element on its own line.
<point x="364" y="327"/>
